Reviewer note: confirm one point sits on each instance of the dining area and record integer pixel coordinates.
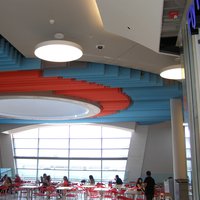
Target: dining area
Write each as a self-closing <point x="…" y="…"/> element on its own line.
<point x="83" y="190"/>
<point x="31" y="190"/>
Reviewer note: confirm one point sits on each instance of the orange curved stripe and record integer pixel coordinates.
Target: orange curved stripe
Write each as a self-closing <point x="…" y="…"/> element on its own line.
<point x="111" y="100"/>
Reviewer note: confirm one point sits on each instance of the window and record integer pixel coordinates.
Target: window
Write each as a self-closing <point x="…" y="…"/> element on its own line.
<point x="76" y="151"/>
<point x="188" y="153"/>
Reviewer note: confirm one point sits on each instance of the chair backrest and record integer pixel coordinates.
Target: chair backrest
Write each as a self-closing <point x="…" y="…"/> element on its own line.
<point x="50" y="189"/>
<point x="123" y="198"/>
<point x="3" y="190"/>
<point x="92" y="193"/>
<point x="42" y="189"/>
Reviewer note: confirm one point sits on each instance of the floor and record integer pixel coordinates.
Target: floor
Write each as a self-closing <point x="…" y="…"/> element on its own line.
<point x="14" y="197"/>
<point x="17" y="197"/>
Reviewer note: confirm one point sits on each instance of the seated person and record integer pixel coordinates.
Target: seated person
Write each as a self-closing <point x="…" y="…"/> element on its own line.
<point x="3" y="178"/>
<point x="118" y="181"/>
<point x="17" y="179"/>
<point x="43" y="179"/>
<point x="47" y="181"/>
<point x="140" y="185"/>
<point x="91" y="180"/>
<point x="83" y="182"/>
<point x="64" y="183"/>
<point x="7" y="183"/>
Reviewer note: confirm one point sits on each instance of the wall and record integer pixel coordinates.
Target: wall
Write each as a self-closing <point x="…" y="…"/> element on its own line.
<point x="136" y="154"/>
<point x="151" y="149"/>
<point x="6" y="155"/>
<point x="158" y="153"/>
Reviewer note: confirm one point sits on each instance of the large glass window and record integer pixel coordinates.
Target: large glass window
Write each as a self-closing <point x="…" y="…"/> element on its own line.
<point x="188" y="154"/>
<point x="76" y="151"/>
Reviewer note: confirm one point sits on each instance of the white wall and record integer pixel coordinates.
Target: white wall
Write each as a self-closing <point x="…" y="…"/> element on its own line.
<point x="158" y="152"/>
<point x="151" y="149"/>
<point x="6" y="153"/>
<point x="136" y="154"/>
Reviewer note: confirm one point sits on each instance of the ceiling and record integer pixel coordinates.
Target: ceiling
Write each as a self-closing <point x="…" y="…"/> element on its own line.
<point x="125" y="46"/>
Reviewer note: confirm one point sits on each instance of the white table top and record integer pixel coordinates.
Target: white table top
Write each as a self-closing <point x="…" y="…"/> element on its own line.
<point x="29" y="186"/>
<point x="88" y="186"/>
<point x="101" y="189"/>
<point x="131" y="191"/>
<point x="64" y="188"/>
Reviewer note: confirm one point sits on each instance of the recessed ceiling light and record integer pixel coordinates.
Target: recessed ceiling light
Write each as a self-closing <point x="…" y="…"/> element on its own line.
<point x="58" y="51"/>
<point x="174" y="72"/>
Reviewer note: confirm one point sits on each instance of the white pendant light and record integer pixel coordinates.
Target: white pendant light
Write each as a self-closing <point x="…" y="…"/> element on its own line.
<point x="174" y="72"/>
<point x="58" y="51"/>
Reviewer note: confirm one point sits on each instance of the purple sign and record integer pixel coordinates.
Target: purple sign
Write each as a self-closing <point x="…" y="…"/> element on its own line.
<point x="191" y="15"/>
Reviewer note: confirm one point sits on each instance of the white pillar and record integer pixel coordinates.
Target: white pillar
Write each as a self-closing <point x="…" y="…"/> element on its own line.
<point x="178" y="149"/>
<point x="178" y="140"/>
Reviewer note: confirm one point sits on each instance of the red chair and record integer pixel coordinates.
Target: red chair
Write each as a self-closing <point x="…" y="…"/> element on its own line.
<point x="51" y="192"/>
<point x="110" y="195"/>
<point x="121" y="192"/>
<point x="100" y="185"/>
<point x="4" y="191"/>
<point x="123" y="198"/>
<point x="72" y="194"/>
<point x="41" y="192"/>
<point x="19" y="191"/>
<point x="92" y="194"/>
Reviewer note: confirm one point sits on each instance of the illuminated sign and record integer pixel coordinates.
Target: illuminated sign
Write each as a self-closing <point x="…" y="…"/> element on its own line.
<point x="193" y="17"/>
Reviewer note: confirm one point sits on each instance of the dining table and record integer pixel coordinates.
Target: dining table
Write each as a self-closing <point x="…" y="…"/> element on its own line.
<point x="29" y="189"/>
<point x="63" y="190"/>
<point x="101" y="190"/>
<point x="133" y="193"/>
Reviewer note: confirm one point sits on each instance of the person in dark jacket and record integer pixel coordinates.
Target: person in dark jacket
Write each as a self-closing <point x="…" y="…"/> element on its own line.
<point x="149" y="184"/>
<point x="118" y="180"/>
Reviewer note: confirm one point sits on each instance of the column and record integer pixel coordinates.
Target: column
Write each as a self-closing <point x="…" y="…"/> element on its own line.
<point x="178" y="149"/>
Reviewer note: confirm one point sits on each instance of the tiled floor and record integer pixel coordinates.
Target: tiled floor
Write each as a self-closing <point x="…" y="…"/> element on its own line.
<point x="17" y="197"/>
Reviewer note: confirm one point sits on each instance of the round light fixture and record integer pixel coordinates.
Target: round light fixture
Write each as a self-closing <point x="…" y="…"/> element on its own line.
<point x="45" y="108"/>
<point x="58" y="51"/>
<point x="174" y="72"/>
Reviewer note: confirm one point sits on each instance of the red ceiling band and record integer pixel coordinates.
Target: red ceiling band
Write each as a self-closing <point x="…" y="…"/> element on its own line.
<point x="110" y="100"/>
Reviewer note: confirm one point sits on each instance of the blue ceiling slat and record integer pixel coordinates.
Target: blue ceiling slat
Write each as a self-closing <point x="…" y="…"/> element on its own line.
<point x="123" y="83"/>
<point x="172" y="91"/>
<point x="135" y="74"/>
<point x="90" y="71"/>
<point x="24" y="64"/>
<point x="111" y="76"/>
<point x="141" y="113"/>
<point x="30" y="63"/>
<point x="124" y="73"/>
<point x="150" y="105"/>
<point x="143" y="119"/>
<point x="10" y="58"/>
<point x="111" y="71"/>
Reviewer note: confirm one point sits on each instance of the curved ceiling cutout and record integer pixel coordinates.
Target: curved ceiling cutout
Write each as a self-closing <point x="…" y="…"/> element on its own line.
<point x="45" y="108"/>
